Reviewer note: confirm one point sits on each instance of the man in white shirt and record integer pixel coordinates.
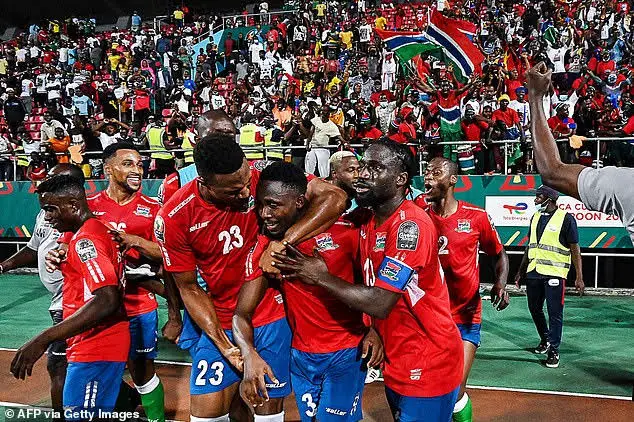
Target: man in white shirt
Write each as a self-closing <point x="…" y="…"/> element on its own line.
<point x="254" y="50"/>
<point x="318" y="155"/>
<point x="63" y="57"/>
<point x="521" y="106"/>
<point x="47" y="130"/>
<point x="27" y="93"/>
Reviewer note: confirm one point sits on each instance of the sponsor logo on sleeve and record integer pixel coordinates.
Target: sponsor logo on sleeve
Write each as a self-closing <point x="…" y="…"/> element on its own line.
<point x="407" y="236"/>
<point x="159" y="228"/>
<point x="325" y="242"/>
<point x="464" y="226"/>
<point x="85" y="250"/>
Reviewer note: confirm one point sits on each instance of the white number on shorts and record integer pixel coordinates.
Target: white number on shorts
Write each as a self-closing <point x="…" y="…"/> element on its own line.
<point x="354" y="404"/>
<point x="232" y="239"/>
<point x="443" y="242"/>
<point x="312" y="406"/>
<point x="216" y="367"/>
<point x="368" y="269"/>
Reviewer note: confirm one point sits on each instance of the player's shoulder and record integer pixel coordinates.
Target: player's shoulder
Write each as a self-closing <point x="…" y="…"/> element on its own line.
<point x="410" y="224"/>
<point x="148" y="201"/>
<point x="179" y="201"/>
<point x="94" y="230"/>
<point x="473" y="210"/>
<point x="95" y="197"/>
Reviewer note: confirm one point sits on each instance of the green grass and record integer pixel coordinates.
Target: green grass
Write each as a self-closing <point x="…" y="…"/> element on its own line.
<point x="596" y="348"/>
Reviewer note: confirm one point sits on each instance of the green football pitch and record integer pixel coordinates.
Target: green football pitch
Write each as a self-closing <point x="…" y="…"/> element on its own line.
<point x="596" y="351"/>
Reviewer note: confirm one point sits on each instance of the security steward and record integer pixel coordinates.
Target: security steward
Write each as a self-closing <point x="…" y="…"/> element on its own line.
<point x="553" y="245"/>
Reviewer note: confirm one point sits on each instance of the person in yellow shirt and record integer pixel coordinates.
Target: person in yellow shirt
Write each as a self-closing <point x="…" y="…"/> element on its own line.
<point x="114" y="58"/>
<point x="380" y="22"/>
<point x="321" y="10"/>
<point x="346" y="38"/>
<point x="179" y="17"/>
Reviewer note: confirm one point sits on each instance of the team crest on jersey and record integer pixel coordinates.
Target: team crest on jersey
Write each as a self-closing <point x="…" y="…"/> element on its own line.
<point x="159" y="228"/>
<point x="86" y="250"/>
<point x="260" y="164"/>
<point x="391" y="270"/>
<point x="325" y="243"/>
<point x="407" y="236"/>
<point x="464" y="226"/>
<point x="142" y="211"/>
<point x="380" y="242"/>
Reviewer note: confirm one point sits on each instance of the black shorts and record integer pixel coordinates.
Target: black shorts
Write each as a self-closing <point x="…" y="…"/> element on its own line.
<point x="56" y="352"/>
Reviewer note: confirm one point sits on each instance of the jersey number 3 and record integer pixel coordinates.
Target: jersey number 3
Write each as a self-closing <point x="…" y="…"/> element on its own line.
<point x="232" y="239"/>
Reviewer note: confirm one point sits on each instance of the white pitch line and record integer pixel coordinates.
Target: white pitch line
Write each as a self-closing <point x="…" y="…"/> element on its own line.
<point x="475" y="387"/>
<point x="556" y="393"/>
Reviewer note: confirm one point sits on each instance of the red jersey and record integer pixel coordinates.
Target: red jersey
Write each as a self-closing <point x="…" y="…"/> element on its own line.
<point x="195" y="235"/>
<point x="93" y="262"/>
<point x="462" y="235"/>
<point x="319" y="322"/>
<point x="509" y="117"/>
<point x="423" y="349"/>
<point x="170" y="185"/>
<point x="137" y="218"/>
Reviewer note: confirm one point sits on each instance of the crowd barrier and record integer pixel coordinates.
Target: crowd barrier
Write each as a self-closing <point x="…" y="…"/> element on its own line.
<point x="422" y="161"/>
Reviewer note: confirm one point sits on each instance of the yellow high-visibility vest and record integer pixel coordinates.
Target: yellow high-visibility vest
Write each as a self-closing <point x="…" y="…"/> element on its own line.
<point x="273" y="154"/>
<point x="155" y="139"/>
<point x="547" y="255"/>
<point x="248" y="138"/>
<point x="188" y="147"/>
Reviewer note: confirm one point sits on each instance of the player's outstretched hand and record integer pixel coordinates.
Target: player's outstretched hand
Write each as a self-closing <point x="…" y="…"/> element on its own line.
<point x="26" y="356"/>
<point x="172" y="330"/>
<point x="295" y="264"/>
<point x="266" y="260"/>
<point x="538" y="79"/>
<point x="373" y="341"/>
<point x="234" y="356"/>
<point x="54" y="258"/>
<point x="253" y="386"/>
<point x="499" y="297"/>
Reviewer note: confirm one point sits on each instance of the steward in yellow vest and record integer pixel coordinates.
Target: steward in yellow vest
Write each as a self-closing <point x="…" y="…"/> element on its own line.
<point x="251" y="136"/>
<point x="553" y="246"/>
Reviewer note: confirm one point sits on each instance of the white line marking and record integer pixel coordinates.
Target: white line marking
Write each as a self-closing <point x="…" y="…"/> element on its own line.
<point x="556" y="393"/>
<point x="475" y="387"/>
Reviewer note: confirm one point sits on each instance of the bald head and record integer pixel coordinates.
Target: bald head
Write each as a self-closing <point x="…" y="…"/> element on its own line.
<point x="215" y="122"/>
<point x="67" y="169"/>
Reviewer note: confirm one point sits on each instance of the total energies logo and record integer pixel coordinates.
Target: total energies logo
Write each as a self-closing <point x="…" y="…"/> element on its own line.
<point x="517" y="209"/>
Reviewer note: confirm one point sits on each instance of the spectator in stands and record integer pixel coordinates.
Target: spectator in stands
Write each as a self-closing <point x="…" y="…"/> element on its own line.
<point x="318" y="155"/>
<point x="135" y="22"/>
<point x="14" y="111"/>
<point x="47" y="130"/>
<point x="58" y="145"/>
<point x="6" y="158"/>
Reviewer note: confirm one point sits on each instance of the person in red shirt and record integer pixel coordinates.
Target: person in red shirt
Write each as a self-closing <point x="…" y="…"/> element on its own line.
<point x="560" y="124"/>
<point x="367" y="132"/>
<point x="95" y="324"/>
<point x="130" y="217"/>
<point x="464" y="230"/>
<point x="404" y="288"/>
<point x="327" y="370"/>
<point x="208" y="226"/>
<point x="510" y="118"/>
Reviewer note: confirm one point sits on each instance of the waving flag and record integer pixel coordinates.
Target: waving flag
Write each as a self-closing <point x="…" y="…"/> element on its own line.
<point x="407" y="45"/>
<point x="458" y="48"/>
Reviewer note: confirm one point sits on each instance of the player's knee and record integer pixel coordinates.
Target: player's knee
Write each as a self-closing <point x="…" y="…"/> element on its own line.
<point x="223" y="418"/>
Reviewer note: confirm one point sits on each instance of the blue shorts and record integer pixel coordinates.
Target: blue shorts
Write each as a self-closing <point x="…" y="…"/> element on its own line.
<point x="417" y="409"/>
<point x="470" y="333"/>
<point x="90" y="387"/>
<point x="190" y="333"/>
<point x="211" y="372"/>
<point x="328" y="386"/>
<point x="144" y="336"/>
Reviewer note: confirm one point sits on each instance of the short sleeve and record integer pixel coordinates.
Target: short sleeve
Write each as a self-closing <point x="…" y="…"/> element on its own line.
<point x="571" y="234"/>
<point x="252" y="265"/>
<point x="36" y="240"/>
<point x="489" y="238"/>
<point x="175" y="248"/>
<point x="95" y="262"/>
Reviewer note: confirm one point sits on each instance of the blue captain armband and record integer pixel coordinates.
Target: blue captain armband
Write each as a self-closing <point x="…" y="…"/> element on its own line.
<point x="395" y="273"/>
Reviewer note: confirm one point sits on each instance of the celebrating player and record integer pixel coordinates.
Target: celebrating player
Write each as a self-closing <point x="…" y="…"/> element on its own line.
<point x="94" y="322"/>
<point x="327" y="372"/>
<point x="209" y="226"/>
<point x="404" y="289"/>
<point x="464" y="230"/>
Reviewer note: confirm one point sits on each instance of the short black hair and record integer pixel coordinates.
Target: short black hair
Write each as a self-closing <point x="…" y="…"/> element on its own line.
<point x="288" y="174"/>
<point x="111" y="150"/>
<point x="454" y="170"/>
<point x="217" y="154"/>
<point x="62" y="184"/>
<point x="70" y="170"/>
<point x="402" y="154"/>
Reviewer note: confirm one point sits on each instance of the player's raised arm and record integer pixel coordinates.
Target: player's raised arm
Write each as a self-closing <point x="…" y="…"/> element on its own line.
<point x="556" y="174"/>
<point x="374" y="301"/>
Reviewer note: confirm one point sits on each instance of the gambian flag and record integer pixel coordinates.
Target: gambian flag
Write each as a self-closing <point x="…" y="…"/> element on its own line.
<point x="407" y="45"/>
<point x="458" y="48"/>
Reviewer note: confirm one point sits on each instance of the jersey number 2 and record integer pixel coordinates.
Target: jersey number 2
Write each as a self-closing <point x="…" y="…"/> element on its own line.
<point x="232" y="239"/>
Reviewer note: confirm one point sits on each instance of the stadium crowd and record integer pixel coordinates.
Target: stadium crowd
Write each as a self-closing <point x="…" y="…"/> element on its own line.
<point x="316" y="77"/>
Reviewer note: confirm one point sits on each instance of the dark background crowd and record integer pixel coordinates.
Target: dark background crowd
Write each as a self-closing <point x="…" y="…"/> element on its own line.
<point x="312" y="78"/>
